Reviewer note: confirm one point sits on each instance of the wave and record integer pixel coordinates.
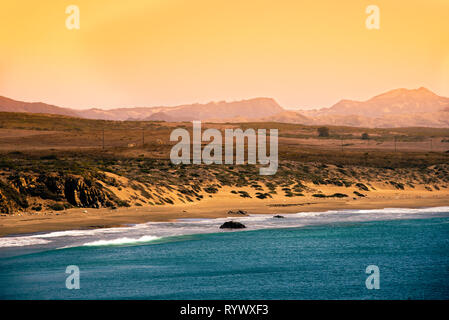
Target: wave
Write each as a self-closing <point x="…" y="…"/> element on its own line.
<point x="77" y="233"/>
<point x="139" y="233"/>
<point x="20" y="242"/>
<point x="121" y="241"/>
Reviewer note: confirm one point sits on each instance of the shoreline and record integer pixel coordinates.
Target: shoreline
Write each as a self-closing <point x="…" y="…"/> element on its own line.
<point x="88" y="218"/>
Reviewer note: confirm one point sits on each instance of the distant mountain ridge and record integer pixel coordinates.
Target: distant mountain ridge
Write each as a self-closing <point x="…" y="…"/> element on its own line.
<point x="10" y="105"/>
<point x="395" y="108"/>
<point x="258" y="107"/>
<point x="251" y="108"/>
<point x="398" y="101"/>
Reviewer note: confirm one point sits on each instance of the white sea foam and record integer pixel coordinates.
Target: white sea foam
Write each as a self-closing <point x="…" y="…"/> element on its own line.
<point x="139" y="233"/>
<point x="121" y="241"/>
<point x="311" y="214"/>
<point x="20" y="242"/>
<point x="77" y="233"/>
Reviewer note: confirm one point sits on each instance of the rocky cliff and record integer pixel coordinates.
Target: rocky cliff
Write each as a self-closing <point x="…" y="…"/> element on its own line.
<point x="55" y="191"/>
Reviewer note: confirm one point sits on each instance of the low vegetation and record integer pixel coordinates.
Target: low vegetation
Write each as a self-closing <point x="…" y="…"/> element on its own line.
<point x="61" y="162"/>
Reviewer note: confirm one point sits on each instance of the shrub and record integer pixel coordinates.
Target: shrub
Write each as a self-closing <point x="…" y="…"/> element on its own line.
<point x="365" y="136"/>
<point x="123" y="203"/>
<point x="49" y="157"/>
<point x="319" y="195"/>
<point x="323" y="132"/>
<point x="244" y="194"/>
<point x="211" y="190"/>
<point x="261" y="195"/>
<point x="362" y="186"/>
<point x="339" y="195"/>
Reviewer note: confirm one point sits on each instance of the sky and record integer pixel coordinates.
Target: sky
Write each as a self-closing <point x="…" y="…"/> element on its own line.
<point x="304" y="54"/>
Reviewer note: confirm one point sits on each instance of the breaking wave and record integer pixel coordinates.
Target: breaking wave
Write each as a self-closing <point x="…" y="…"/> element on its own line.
<point x="140" y="233"/>
<point x="20" y="242"/>
<point x="121" y="241"/>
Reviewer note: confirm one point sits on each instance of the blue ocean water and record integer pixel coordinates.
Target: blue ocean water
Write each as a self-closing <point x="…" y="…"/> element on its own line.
<point x="322" y="261"/>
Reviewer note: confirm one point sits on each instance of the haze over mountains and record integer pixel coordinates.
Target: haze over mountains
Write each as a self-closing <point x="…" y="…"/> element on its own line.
<point x="10" y="105"/>
<point x="395" y="108"/>
<point x="397" y="101"/>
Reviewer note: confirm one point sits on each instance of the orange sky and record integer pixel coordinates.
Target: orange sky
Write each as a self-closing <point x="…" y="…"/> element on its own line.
<point x="169" y="52"/>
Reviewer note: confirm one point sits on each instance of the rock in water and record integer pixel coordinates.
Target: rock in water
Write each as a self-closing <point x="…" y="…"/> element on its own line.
<point x="232" y="225"/>
<point x="278" y="217"/>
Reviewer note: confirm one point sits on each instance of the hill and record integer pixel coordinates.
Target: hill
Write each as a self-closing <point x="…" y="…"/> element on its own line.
<point x="398" y="101"/>
<point x="10" y="105"/>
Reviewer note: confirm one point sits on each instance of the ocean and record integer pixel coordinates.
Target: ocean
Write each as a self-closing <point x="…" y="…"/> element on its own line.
<point x="308" y="255"/>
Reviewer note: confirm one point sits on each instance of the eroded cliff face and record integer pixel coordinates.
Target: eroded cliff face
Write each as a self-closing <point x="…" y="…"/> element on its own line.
<point x="6" y="205"/>
<point x="135" y="184"/>
<point x="85" y="193"/>
<point x="22" y="191"/>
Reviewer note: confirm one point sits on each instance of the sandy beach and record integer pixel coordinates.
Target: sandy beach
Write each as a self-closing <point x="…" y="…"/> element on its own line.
<point x="216" y="207"/>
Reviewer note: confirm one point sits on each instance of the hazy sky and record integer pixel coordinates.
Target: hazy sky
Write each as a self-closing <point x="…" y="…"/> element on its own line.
<point x="169" y="52"/>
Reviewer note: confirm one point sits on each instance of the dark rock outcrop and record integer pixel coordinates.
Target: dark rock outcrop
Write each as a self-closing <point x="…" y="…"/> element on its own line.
<point x="84" y="193"/>
<point x="241" y="212"/>
<point x="278" y="217"/>
<point x="74" y="190"/>
<point x="6" y="205"/>
<point x="10" y="199"/>
<point x="232" y="225"/>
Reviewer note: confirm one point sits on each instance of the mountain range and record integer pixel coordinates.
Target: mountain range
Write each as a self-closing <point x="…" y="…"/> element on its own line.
<point x="396" y="108"/>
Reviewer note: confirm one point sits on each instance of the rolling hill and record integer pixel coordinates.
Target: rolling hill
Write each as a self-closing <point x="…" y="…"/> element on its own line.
<point x="10" y="105"/>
